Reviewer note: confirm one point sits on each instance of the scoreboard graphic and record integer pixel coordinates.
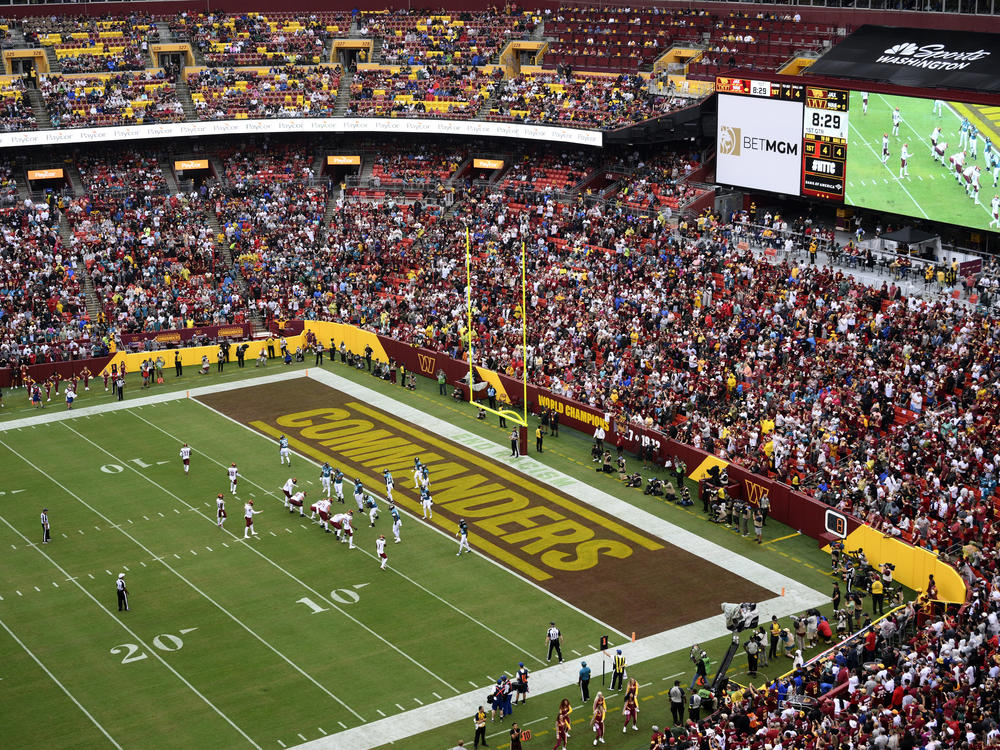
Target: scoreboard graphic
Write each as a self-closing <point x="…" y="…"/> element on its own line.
<point x="824" y="143"/>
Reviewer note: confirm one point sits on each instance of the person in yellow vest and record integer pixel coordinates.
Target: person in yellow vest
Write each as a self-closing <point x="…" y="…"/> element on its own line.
<point x="480" y="721"/>
<point x="617" y="670"/>
<point x="878" y="596"/>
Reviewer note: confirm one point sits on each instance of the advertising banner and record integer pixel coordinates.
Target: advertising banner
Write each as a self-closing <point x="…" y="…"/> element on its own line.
<point x="927" y="58"/>
<point x="235" y="331"/>
<point x="45" y="174"/>
<point x="187" y="165"/>
<point x="339" y="160"/>
<point x="759" y="143"/>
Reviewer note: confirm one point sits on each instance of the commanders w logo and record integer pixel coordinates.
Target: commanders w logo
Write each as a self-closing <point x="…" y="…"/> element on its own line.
<point x="427" y="363"/>
<point x="754" y="492"/>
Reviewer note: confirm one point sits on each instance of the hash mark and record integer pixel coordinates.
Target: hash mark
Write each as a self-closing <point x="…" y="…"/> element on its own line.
<point x="377" y="709"/>
<point x="177" y="556"/>
<point x="576" y="652"/>
<point x="419" y="702"/>
<point x="146" y="517"/>
<point x="282" y="743"/>
<point x="341" y="724"/>
<point x="435" y="695"/>
<point x="304" y="738"/>
<point x="37" y="589"/>
<point x="397" y="705"/>
<point x="142" y="564"/>
<point x="91" y="576"/>
<point x="55" y="584"/>
<point x="323" y="731"/>
<point x="161" y="515"/>
<point x="208" y="548"/>
<point x="194" y="553"/>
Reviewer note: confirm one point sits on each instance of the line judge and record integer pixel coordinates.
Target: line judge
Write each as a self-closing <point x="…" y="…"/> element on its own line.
<point x="122" y="591"/>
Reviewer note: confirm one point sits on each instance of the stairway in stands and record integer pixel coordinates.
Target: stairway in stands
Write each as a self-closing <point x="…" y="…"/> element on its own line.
<point x="343" y="93"/>
<point x="184" y="96"/>
<point x="42" y="115"/>
<point x="89" y="292"/>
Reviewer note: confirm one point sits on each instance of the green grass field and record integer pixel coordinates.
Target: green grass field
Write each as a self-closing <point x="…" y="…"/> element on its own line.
<point x="931" y="191"/>
<point x="278" y="641"/>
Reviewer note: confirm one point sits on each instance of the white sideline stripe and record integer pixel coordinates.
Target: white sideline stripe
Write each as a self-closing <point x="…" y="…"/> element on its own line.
<point x="119" y="621"/>
<point x="302" y="583"/>
<point x="802" y="596"/>
<point x="165" y="564"/>
<point x="444" y="534"/>
<point x="420" y="586"/>
<point x="62" y="687"/>
<point x="159" y="398"/>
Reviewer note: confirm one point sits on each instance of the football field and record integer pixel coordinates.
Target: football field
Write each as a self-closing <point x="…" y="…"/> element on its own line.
<point x="931" y="190"/>
<point x="293" y="638"/>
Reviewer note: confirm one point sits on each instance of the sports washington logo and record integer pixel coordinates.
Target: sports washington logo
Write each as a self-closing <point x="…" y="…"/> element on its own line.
<point x="729" y="140"/>
<point x="930" y="56"/>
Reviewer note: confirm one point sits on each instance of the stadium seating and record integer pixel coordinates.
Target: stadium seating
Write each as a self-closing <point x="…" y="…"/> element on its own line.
<point x="15" y="111"/>
<point x="257" y="39"/>
<point x="548" y="173"/>
<point x="235" y="94"/>
<point x="580" y="100"/>
<point x="105" y="99"/>
<point x="453" y="91"/>
<point x="459" y="39"/>
<point x="43" y="313"/>
<point x="153" y="262"/>
<point x="94" y="45"/>
<point x="111" y="172"/>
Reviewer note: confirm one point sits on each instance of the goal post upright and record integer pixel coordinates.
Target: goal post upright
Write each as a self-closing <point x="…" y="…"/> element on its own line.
<point x="522" y="418"/>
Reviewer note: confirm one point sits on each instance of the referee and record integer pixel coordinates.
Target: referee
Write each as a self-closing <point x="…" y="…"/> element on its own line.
<point x="45" y="526"/>
<point x="553" y="639"/>
<point x="122" y="592"/>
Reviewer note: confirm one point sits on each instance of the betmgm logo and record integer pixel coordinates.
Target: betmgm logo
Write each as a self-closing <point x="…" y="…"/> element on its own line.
<point x="729" y="140"/>
<point x="732" y="142"/>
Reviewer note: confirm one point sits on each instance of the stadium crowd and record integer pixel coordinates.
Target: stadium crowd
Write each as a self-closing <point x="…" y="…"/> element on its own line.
<point x="110" y="99"/>
<point x="230" y="93"/>
<point x="432" y="91"/>
<point x="578" y="100"/>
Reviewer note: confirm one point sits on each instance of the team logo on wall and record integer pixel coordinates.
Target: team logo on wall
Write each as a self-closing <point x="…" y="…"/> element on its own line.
<point x="426" y="363"/>
<point x="729" y="140"/>
<point x="754" y="492"/>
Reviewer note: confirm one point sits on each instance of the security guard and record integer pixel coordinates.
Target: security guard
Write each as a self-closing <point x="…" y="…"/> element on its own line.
<point x="617" y="670"/>
<point x="122" y="593"/>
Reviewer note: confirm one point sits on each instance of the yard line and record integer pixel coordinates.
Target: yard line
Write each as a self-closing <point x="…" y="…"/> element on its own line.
<point x="324" y="597"/>
<point x="62" y="687"/>
<point x="886" y="166"/>
<point x="138" y="639"/>
<point x="139" y="544"/>
<point x="407" y="578"/>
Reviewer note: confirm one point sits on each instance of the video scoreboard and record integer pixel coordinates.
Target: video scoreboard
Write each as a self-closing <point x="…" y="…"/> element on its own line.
<point x="813" y="130"/>
<point x="824" y="143"/>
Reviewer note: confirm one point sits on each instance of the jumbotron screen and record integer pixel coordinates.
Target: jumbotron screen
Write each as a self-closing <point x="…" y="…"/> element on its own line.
<point x="927" y="158"/>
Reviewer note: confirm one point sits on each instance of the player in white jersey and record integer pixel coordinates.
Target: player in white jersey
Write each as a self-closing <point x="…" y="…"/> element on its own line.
<point x="325" y="477"/>
<point x="289" y="488"/>
<point x="904" y="155"/>
<point x="935" y="137"/>
<point x="995" y="211"/>
<point x="342" y="524"/>
<point x="971" y="175"/>
<point x="283" y="451"/>
<point x="234" y="474"/>
<point x="958" y="164"/>
<point x="425" y="501"/>
<point x="885" y="148"/>
<point x="220" y="509"/>
<point x="389" y="484"/>
<point x="359" y="495"/>
<point x="897" y="118"/>
<point x="248" y="514"/>
<point x="298" y="500"/>
<point x="397" y="522"/>
<point x="380" y="551"/>
<point x="864" y="102"/>
<point x="186" y="457"/>
<point x="322" y="506"/>
<point x="938" y="107"/>
<point x="416" y="473"/>
<point x="338" y="485"/>
<point x="939" y="150"/>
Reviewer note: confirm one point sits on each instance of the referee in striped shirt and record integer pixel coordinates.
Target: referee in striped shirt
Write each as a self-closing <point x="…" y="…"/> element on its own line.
<point x="45" y="526"/>
<point x="122" y="592"/>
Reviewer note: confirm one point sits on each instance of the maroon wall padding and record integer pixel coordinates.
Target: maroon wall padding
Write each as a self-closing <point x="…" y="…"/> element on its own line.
<point x="66" y="369"/>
